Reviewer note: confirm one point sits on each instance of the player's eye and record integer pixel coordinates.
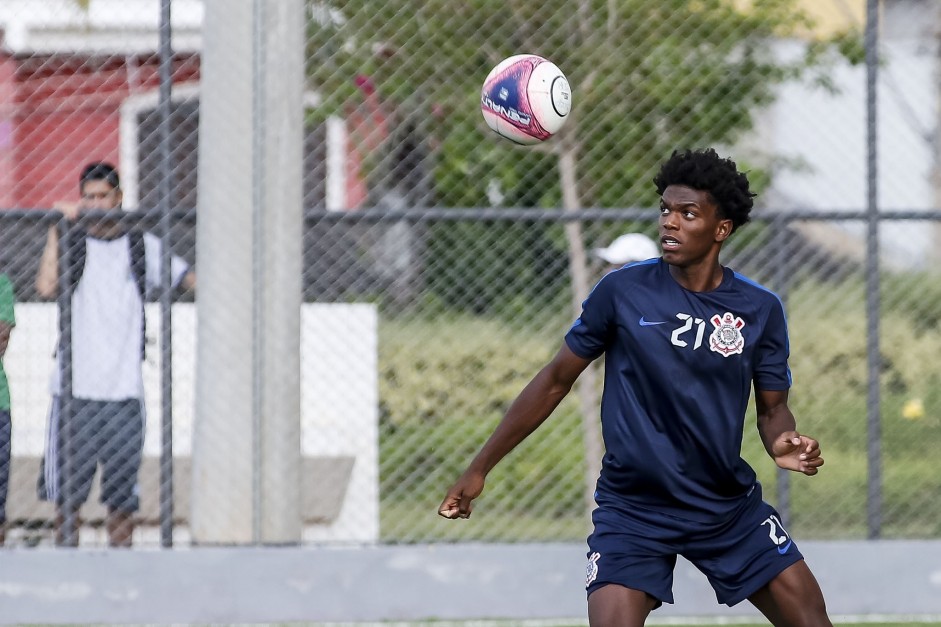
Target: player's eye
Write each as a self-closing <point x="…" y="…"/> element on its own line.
<point x="96" y="195"/>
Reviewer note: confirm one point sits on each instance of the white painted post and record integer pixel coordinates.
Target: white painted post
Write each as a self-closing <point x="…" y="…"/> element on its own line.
<point x="246" y="441"/>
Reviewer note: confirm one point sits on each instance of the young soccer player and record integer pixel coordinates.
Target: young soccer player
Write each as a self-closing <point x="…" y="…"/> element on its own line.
<point x="684" y="340"/>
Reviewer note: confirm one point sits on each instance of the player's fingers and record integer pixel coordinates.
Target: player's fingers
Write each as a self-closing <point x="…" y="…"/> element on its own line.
<point x="811" y="445"/>
<point x="465" y="507"/>
<point x="812" y="466"/>
<point x="812" y="454"/>
<point x="448" y="507"/>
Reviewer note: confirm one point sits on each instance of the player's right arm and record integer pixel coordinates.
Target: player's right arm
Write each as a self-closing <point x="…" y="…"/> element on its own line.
<point x="47" y="277"/>
<point x="530" y="409"/>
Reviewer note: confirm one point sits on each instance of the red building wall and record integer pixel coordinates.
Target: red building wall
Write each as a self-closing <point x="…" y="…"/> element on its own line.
<point x="64" y="112"/>
<point x="7" y="124"/>
<point x="59" y="112"/>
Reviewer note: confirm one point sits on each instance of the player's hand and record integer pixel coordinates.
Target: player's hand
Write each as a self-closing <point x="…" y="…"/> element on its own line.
<point x="458" y="502"/>
<point x="793" y="451"/>
<point x="69" y="209"/>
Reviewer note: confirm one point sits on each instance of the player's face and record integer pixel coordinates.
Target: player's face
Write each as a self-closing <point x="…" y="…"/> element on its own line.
<point x="690" y="226"/>
<point x="98" y="195"/>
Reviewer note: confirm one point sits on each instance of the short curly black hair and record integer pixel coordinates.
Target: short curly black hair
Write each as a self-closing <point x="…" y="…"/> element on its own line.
<point x="706" y="171"/>
<point x="99" y="171"/>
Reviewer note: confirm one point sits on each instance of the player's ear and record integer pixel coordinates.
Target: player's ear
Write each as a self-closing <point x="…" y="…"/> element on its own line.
<point x="723" y="230"/>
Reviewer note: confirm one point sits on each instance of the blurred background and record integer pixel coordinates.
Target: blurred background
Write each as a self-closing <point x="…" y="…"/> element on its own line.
<point x="380" y="274"/>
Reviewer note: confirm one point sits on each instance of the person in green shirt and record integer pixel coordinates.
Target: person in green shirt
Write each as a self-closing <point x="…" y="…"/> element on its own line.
<point x="7" y="322"/>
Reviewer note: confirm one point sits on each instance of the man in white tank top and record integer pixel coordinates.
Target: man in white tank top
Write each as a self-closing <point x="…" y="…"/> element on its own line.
<point x="110" y="271"/>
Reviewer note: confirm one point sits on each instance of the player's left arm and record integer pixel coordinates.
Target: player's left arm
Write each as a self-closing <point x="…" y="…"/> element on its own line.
<point x="183" y="275"/>
<point x="188" y="282"/>
<point x="778" y="429"/>
<point x="5" y="330"/>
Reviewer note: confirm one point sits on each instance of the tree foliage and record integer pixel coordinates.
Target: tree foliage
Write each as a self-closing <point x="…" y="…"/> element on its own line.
<point x="648" y="77"/>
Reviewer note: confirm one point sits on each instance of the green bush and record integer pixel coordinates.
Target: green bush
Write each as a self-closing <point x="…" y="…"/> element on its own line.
<point x="445" y="383"/>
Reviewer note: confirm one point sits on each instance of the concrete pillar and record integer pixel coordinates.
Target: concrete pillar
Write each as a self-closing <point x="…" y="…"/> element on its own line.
<point x="246" y="441"/>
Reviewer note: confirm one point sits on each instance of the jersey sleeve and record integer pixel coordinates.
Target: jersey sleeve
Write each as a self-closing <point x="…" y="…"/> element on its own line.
<point x="771" y="369"/>
<point x="7" y="300"/>
<point x="591" y="333"/>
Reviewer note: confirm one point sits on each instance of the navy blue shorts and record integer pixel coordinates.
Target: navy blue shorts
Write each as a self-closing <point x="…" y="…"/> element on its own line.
<point x="110" y="433"/>
<point x="637" y="548"/>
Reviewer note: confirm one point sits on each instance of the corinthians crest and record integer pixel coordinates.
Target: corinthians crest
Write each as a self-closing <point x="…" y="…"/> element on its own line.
<point x="727" y="338"/>
<point x="592" y="571"/>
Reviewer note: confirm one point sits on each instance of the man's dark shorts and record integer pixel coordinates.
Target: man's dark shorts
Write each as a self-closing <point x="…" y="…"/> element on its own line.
<point x="107" y="432"/>
<point x="637" y="548"/>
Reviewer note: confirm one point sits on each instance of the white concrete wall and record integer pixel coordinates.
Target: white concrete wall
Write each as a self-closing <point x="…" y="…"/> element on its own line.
<point x="818" y="138"/>
<point x="339" y="395"/>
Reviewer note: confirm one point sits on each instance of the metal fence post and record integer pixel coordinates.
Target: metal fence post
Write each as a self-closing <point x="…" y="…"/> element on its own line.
<point x="873" y="421"/>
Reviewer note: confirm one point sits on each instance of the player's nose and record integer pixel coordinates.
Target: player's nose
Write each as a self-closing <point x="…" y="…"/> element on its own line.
<point x="667" y="220"/>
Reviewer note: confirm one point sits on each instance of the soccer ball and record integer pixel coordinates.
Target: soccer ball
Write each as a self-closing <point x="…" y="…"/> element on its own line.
<point x="526" y="99"/>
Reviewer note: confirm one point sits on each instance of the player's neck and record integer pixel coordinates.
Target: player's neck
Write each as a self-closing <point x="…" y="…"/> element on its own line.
<point x="106" y="230"/>
<point x="702" y="277"/>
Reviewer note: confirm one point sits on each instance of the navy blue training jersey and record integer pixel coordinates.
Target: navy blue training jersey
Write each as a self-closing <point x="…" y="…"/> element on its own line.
<point x="679" y="366"/>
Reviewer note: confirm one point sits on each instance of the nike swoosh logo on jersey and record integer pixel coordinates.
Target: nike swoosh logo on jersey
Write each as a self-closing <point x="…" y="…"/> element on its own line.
<point x="648" y="323"/>
<point x="783" y="549"/>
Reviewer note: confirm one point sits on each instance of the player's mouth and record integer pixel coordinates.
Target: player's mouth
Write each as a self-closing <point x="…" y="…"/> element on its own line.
<point x="669" y="243"/>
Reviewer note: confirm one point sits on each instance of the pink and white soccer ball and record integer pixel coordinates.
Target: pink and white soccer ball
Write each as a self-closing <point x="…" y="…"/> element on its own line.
<point x="526" y="99"/>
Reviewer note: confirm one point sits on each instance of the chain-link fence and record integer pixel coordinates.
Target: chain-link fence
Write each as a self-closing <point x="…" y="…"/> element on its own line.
<point x="360" y="334"/>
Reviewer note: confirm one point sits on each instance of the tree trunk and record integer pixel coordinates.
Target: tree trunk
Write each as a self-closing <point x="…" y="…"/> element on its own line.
<point x="587" y="384"/>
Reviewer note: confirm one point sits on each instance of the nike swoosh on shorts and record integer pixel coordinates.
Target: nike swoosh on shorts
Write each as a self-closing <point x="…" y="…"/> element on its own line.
<point x="648" y="323"/>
